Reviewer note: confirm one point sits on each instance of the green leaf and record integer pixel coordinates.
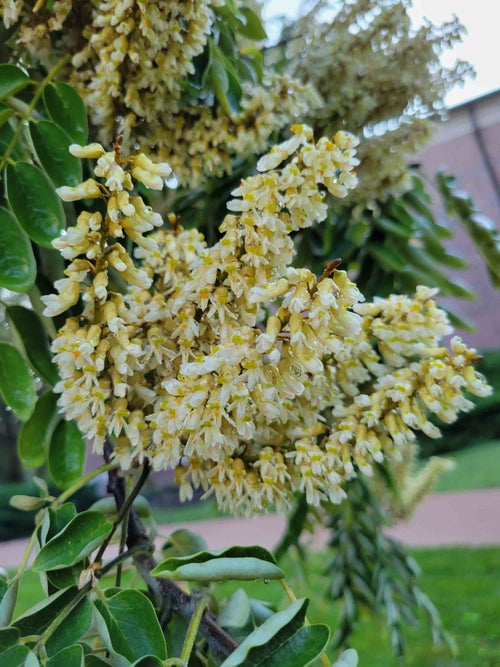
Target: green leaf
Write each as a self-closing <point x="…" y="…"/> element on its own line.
<point x="394" y="227"/>
<point x="15" y="656"/>
<point x="237" y="611"/>
<point x="17" y="262"/>
<point x="9" y="636"/>
<point x="267" y="638"/>
<point x="66" y="454"/>
<point x="16" y="382"/>
<point x="150" y="661"/>
<point x="76" y="541"/>
<point x="251" y="26"/>
<point x="183" y="543"/>
<point x="36" y="433"/>
<point x="129" y="626"/>
<point x="5" y="114"/>
<point x="387" y="257"/>
<point x="300" y="649"/>
<point x="12" y="80"/>
<point x="66" y="108"/>
<point x="75" y="624"/>
<point x="348" y="658"/>
<point x="35" y="342"/>
<point x="235" y="563"/>
<point x="51" y="144"/>
<point x="34" y="202"/>
<point x="71" y="656"/>
<point x="9" y="599"/>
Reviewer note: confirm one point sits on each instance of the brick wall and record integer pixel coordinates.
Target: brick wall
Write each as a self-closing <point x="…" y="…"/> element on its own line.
<point x="467" y="145"/>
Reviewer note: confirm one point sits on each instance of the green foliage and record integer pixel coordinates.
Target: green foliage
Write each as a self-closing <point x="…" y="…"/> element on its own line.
<point x="482" y="231"/>
<point x="234" y="563"/>
<point x="17" y="263"/>
<point x="16" y="382"/>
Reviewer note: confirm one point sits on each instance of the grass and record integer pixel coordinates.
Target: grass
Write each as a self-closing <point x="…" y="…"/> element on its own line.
<point x="477" y="467"/>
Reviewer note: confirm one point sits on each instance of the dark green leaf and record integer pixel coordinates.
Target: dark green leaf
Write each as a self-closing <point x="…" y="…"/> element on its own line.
<point x="71" y="656"/>
<point x="12" y="80"/>
<point x="238" y="563"/>
<point x="16" y="382"/>
<point x="300" y="649"/>
<point x="66" y="108"/>
<point x="51" y="144"/>
<point x="387" y="257"/>
<point x="34" y="202"/>
<point x="75" y="624"/>
<point x="76" y="541"/>
<point x="66" y="454"/>
<point x="36" y="433"/>
<point x="392" y="226"/>
<point x="9" y="636"/>
<point x="267" y="638"/>
<point x="15" y="656"/>
<point x="129" y="626"/>
<point x="17" y="262"/>
<point x="148" y="661"/>
<point x="35" y="342"/>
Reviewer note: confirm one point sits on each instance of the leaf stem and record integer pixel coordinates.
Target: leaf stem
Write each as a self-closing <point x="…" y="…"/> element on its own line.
<point x="81" y="482"/>
<point x="29" y="109"/>
<point x="194" y="624"/>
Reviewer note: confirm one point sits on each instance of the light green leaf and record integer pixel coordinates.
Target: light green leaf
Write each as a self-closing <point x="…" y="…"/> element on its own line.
<point x="132" y="627"/>
<point x="34" y="202"/>
<point x="16" y="382"/>
<point x="9" y="599"/>
<point x="51" y="144"/>
<point x="235" y="563"/>
<point x="71" y="656"/>
<point x="237" y="611"/>
<point x="75" y="542"/>
<point x="183" y="543"/>
<point x="17" y="262"/>
<point x="66" y="108"/>
<point x="251" y="26"/>
<point x="66" y="454"/>
<point x="36" y="433"/>
<point x="267" y="638"/>
<point x="5" y="114"/>
<point x="348" y="658"/>
<point x="35" y="342"/>
<point x="12" y="80"/>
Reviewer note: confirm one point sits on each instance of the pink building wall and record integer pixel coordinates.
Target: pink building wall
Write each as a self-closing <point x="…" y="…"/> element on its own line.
<point x="467" y="145"/>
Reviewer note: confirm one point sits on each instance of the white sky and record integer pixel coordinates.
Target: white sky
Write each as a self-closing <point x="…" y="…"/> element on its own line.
<point x="481" y="46"/>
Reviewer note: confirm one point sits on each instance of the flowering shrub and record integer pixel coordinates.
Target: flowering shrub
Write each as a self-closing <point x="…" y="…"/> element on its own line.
<point x="228" y="360"/>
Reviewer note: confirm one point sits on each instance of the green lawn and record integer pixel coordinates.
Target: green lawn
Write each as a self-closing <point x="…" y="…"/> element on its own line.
<point x="477" y="467"/>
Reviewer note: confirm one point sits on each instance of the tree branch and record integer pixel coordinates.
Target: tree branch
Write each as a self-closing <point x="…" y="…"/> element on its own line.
<point x="167" y="593"/>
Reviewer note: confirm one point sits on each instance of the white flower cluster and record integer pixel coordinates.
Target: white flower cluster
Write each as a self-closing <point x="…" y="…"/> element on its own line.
<point x="251" y="378"/>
